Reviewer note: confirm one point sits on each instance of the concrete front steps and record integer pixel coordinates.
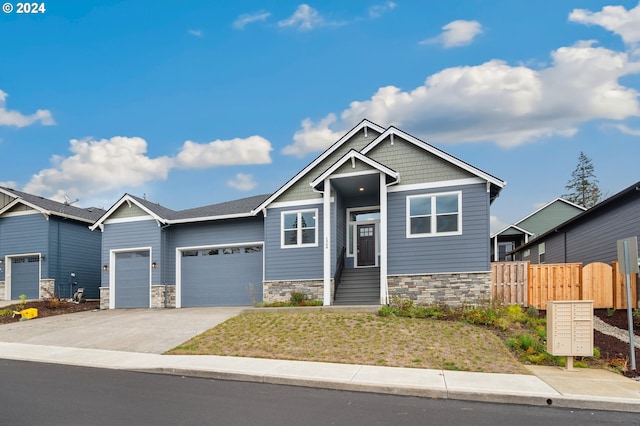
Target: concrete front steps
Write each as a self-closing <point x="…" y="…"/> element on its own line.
<point x="359" y="286"/>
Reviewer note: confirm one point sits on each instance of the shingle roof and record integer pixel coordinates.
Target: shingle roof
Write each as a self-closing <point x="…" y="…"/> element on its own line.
<point x="227" y="208"/>
<point x="90" y="214"/>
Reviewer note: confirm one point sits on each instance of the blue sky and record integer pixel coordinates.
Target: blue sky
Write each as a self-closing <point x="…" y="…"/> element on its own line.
<point x="198" y="102"/>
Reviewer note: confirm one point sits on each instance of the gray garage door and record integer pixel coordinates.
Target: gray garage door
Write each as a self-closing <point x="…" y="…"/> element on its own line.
<point x="225" y="276"/>
<point x="25" y="277"/>
<point x="132" y="279"/>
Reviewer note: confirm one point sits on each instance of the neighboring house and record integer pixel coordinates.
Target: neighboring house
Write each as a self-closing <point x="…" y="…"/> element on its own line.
<point x="378" y="214"/>
<point x="540" y="221"/>
<point x="44" y="242"/>
<point x="156" y="257"/>
<point x="590" y="236"/>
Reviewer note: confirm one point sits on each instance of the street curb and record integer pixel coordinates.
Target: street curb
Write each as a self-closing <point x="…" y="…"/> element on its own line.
<point x="559" y="401"/>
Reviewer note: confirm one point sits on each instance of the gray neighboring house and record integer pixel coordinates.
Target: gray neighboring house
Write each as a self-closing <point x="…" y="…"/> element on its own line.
<point x="380" y="213"/>
<point x="536" y="223"/>
<point x="590" y="236"/>
<point x="42" y="243"/>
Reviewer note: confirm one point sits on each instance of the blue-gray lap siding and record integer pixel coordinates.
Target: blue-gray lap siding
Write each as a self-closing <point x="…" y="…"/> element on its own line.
<point x="67" y="246"/>
<point x="229" y="231"/>
<point x="77" y="251"/>
<point x="292" y="263"/>
<point x="592" y="238"/>
<point x="128" y="235"/>
<point x="468" y="252"/>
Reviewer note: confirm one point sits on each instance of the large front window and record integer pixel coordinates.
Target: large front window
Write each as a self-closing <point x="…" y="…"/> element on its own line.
<point x="434" y="215"/>
<point x="299" y="228"/>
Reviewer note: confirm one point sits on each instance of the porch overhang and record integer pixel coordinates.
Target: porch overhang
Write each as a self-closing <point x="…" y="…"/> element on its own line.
<point x="391" y="176"/>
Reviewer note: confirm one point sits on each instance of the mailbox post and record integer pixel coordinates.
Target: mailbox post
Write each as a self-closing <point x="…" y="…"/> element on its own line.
<point x="570" y="329"/>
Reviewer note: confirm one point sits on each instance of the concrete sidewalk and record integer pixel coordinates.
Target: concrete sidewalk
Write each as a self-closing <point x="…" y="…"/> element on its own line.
<point x="134" y="339"/>
<point x="549" y="386"/>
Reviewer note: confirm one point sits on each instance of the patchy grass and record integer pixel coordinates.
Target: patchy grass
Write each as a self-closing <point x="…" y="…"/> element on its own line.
<point x="357" y="338"/>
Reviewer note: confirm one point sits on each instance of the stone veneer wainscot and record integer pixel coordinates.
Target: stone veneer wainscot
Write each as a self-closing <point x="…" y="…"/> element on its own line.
<point x="280" y="291"/>
<point x="453" y="289"/>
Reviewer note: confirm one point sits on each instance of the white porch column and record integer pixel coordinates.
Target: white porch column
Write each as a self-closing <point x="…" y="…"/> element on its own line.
<point x="326" y="232"/>
<point x="495" y="249"/>
<point x="384" y="290"/>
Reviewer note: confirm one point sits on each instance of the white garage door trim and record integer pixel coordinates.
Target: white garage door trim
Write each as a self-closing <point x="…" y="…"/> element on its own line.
<point x="7" y="271"/>
<point x="179" y="251"/>
<point x="112" y="272"/>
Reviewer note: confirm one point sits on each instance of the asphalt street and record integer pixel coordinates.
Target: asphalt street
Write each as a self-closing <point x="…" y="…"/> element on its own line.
<point x="39" y="394"/>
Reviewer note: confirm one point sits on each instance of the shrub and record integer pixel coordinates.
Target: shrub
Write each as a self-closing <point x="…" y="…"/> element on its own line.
<point x="6" y="313"/>
<point x="297" y="297"/>
<point x="388" y="311"/>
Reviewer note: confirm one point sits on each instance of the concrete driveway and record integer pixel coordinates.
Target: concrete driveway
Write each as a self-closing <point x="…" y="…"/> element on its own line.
<point x="130" y="330"/>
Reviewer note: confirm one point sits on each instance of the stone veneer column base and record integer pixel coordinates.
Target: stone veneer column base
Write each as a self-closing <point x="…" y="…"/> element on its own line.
<point x="47" y="289"/>
<point x="453" y="289"/>
<point x="158" y="296"/>
<point x="280" y="291"/>
<point x="104" y="297"/>
<point x="1" y="290"/>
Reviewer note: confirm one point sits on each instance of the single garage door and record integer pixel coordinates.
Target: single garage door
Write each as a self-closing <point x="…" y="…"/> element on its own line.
<point x="221" y="276"/>
<point x="132" y="285"/>
<point x="25" y="277"/>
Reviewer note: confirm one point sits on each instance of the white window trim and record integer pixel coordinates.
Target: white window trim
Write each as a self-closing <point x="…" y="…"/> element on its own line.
<point x="433" y="215"/>
<point x="299" y="245"/>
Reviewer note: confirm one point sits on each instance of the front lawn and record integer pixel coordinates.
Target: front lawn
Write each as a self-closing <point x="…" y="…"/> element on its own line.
<point x="357" y="338"/>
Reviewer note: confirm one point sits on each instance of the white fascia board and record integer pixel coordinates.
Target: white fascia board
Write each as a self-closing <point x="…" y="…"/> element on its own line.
<point x="364" y="123"/>
<point x="125" y="199"/>
<point x="524" y="231"/>
<point x="297" y="203"/>
<point x="208" y="218"/>
<point x="358" y="156"/>
<point x="9" y="193"/>
<point x="435" y="185"/>
<point x="45" y="213"/>
<point x="435" y="151"/>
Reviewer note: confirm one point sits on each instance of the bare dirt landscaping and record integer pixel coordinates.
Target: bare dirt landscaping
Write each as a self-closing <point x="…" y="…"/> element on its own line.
<point x="45" y="308"/>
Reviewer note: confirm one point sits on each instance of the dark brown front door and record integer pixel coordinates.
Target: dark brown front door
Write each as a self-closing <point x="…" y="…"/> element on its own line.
<point x="366" y="245"/>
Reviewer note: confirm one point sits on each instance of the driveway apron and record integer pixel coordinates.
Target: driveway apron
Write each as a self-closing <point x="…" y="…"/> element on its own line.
<point x="131" y="330"/>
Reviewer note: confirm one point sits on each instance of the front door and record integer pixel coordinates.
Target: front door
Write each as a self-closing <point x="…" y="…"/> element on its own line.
<point x="367" y="245"/>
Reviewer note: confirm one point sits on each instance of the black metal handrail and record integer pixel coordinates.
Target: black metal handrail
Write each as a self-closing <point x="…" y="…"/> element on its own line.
<point x="339" y="268"/>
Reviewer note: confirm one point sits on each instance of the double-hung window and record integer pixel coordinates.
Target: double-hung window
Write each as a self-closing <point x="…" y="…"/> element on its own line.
<point x="299" y="228"/>
<point x="434" y="215"/>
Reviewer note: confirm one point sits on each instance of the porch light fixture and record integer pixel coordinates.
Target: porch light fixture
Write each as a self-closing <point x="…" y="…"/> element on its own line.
<point x="105" y="267"/>
<point x="154" y="265"/>
<point x="1" y="261"/>
<point x="361" y="189"/>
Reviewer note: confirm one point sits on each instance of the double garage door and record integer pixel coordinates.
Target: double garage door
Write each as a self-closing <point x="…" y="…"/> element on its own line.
<point x="220" y="276"/>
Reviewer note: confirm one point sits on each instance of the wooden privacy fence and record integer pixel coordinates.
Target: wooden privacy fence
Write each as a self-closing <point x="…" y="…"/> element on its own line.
<point x="534" y="285"/>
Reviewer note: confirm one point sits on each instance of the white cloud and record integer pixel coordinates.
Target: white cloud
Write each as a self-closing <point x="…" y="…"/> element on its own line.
<point x="494" y="101"/>
<point x="625" y="23"/>
<point x="196" y="33"/>
<point x="246" y="19"/>
<point x="17" y="119"/>
<point x="379" y="10"/>
<point x="313" y="138"/>
<point x="456" y="33"/>
<point x="496" y="224"/>
<point x="627" y="130"/>
<point x="9" y="184"/>
<point x="242" y="182"/>
<point x="252" y="150"/>
<point x="99" y="166"/>
<point x="305" y="18"/>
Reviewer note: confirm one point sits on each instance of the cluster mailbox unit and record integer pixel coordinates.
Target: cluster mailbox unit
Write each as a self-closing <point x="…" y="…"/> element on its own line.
<point x="570" y="329"/>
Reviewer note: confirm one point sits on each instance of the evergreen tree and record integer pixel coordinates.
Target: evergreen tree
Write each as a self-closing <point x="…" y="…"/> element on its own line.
<point x="583" y="185"/>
